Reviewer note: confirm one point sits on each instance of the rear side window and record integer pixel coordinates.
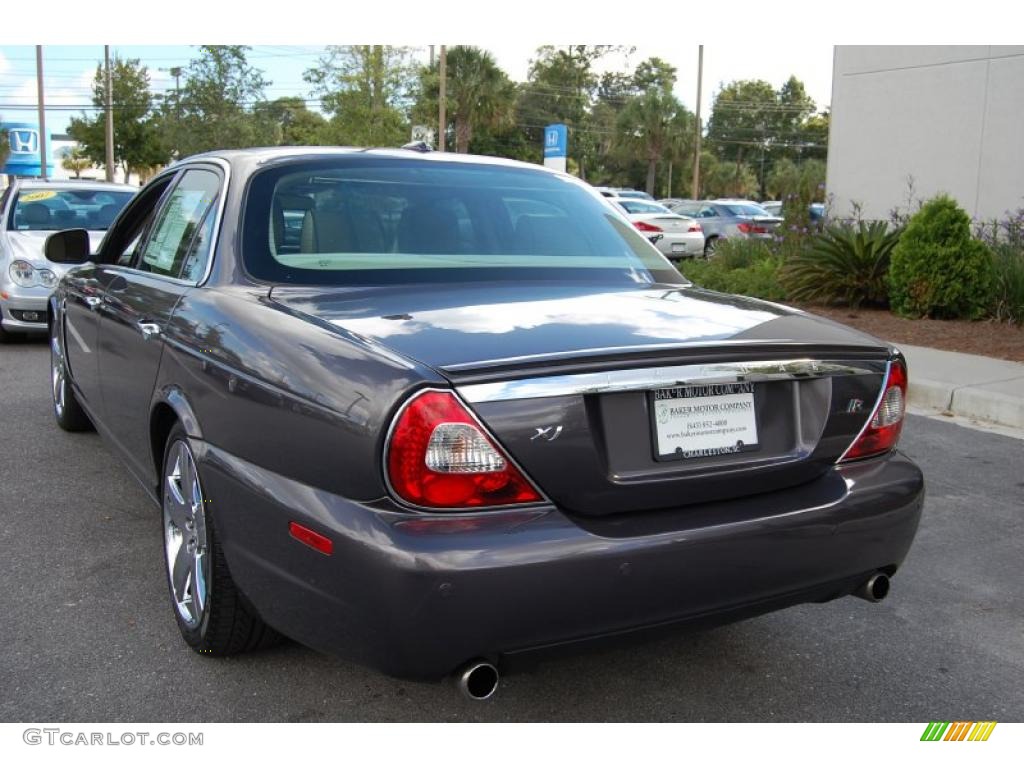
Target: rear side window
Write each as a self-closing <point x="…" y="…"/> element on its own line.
<point x="180" y="241"/>
<point x="371" y="220"/>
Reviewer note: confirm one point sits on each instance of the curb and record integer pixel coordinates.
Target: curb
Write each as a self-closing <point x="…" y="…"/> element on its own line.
<point x="970" y="402"/>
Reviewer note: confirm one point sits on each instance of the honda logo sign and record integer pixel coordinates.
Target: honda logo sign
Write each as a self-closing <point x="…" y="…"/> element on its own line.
<point x="24" y="141"/>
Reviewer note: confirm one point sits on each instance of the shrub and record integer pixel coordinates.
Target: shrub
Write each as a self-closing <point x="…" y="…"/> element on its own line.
<point x="746" y="267"/>
<point x="938" y="269"/>
<point x="1006" y="240"/>
<point x="846" y="262"/>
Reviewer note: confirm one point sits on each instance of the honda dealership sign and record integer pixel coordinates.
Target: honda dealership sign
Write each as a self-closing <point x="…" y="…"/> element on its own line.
<point x="556" y="146"/>
<point x="24" y="141"/>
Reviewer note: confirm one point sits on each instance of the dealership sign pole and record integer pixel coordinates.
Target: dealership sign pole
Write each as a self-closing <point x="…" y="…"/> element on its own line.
<point x="556" y="146"/>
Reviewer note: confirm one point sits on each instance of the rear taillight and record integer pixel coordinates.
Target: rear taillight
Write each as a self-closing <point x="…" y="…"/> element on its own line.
<point x="643" y="226"/>
<point x="439" y="456"/>
<point x="695" y="227"/>
<point x="751" y="229"/>
<point x="882" y="431"/>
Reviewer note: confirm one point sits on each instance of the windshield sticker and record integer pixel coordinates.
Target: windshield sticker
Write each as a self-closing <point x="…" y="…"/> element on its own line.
<point x="35" y="197"/>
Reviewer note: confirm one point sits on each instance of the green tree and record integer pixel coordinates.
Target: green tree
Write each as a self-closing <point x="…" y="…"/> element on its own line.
<point x="479" y="94"/>
<point x="137" y="142"/>
<point x="219" y="105"/>
<point x="367" y="91"/>
<point x="938" y="269"/>
<point x="654" y="125"/>
<point x="751" y="121"/>
<point x="561" y="88"/>
<point x="5" y="145"/>
<point x="296" y="124"/>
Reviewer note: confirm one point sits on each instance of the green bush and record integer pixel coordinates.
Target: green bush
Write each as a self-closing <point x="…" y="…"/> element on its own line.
<point x="938" y="269"/>
<point x="746" y="267"/>
<point x="846" y="262"/>
<point x="1008" y="295"/>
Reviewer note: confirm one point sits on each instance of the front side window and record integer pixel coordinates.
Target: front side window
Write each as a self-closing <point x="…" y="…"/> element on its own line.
<point x="45" y="210"/>
<point x="371" y="220"/>
<point x="179" y="238"/>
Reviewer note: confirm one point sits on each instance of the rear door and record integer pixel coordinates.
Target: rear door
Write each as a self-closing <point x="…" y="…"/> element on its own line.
<point x="173" y="254"/>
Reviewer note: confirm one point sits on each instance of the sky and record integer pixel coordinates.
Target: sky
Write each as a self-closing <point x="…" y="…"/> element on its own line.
<point x="69" y="70"/>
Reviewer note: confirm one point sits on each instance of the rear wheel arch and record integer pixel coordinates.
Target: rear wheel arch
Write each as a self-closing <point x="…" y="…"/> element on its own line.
<point x="171" y="408"/>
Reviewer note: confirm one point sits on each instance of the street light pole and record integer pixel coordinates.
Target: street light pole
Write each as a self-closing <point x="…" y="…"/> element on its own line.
<point x="42" y="112"/>
<point x="696" y="143"/>
<point x="110" y="115"/>
<point x="442" y="120"/>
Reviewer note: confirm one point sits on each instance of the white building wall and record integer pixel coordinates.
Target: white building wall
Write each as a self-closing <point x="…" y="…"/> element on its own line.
<point x="951" y="117"/>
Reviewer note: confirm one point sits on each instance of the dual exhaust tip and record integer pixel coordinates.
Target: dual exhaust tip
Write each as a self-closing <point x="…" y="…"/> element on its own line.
<point x="478" y="680"/>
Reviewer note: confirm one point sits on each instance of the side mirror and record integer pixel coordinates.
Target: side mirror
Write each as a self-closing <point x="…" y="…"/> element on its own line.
<point x="71" y="246"/>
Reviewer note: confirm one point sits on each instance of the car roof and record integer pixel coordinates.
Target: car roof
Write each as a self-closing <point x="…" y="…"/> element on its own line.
<point x="261" y="155"/>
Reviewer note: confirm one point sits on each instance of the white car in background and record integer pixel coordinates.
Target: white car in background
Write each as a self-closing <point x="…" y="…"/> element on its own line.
<point x="30" y="211"/>
<point x="681" y="236"/>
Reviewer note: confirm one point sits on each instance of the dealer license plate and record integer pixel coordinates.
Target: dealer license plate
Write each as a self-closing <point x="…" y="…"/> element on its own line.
<point x="705" y="420"/>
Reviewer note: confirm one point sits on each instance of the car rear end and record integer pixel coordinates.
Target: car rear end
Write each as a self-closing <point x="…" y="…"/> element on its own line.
<point x="579" y="445"/>
<point x="748" y="220"/>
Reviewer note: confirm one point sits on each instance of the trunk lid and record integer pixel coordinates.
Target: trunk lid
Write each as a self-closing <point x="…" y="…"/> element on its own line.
<point x="565" y="377"/>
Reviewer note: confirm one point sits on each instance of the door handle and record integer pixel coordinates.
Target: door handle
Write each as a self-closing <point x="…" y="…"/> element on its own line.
<point x="92" y="302"/>
<point x="149" y="330"/>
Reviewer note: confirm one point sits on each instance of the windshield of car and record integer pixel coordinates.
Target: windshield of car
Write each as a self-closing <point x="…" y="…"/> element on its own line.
<point x="372" y="220"/>
<point x="55" y="209"/>
<point x="638" y="206"/>
<point x="745" y="209"/>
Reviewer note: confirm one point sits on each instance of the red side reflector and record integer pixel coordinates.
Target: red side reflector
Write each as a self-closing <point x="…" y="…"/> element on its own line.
<point x="311" y="538"/>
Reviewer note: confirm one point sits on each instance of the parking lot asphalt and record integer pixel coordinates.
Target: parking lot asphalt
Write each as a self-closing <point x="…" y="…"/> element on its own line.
<point x="87" y="633"/>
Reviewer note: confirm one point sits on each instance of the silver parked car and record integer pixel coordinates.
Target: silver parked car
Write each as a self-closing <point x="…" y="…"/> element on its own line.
<point x="680" y="236"/>
<point x="31" y="211"/>
<point x="722" y="219"/>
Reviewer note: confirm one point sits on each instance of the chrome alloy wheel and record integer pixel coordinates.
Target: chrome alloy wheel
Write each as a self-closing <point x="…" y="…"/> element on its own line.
<point x="58" y="380"/>
<point x="185" y="542"/>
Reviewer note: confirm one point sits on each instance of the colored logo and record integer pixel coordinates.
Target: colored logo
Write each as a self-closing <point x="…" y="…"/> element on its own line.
<point x="24" y="140"/>
<point x="959" y="731"/>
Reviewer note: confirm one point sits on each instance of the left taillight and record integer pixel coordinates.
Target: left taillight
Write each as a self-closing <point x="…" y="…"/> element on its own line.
<point x="439" y="456"/>
<point x="882" y="431"/>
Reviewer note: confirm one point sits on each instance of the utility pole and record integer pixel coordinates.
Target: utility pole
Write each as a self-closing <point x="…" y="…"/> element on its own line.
<point x="110" y="116"/>
<point x="442" y="120"/>
<point x="176" y="74"/>
<point x="42" y="112"/>
<point x="431" y="57"/>
<point x="696" y="143"/>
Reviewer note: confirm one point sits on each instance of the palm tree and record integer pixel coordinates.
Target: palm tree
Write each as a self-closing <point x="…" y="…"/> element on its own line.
<point x="76" y="161"/>
<point x="654" y="125"/>
<point x="478" y="92"/>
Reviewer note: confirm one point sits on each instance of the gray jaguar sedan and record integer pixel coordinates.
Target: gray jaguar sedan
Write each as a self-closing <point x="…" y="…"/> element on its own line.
<point x="437" y="412"/>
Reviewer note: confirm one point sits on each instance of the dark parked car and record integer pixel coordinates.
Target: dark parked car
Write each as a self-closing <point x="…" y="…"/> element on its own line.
<point x="469" y="412"/>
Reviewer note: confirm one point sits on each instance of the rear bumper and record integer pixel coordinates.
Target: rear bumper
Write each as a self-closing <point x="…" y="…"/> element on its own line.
<point x="681" y="244"/>
<point x="418" y="602"/>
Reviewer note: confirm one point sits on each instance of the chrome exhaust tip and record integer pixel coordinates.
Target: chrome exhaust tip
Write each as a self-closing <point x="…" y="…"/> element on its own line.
<point x="478" y="680"/>
<point x="875" y="589"/>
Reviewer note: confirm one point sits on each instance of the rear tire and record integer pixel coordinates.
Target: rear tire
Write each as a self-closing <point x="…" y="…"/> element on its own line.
<point x="70" y="416"/>
<point x="213" y="616"/>
<point x="710" y="245"/>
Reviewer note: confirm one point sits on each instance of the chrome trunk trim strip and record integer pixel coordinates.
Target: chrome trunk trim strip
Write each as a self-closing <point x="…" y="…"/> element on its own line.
<point x="653" y="378"/>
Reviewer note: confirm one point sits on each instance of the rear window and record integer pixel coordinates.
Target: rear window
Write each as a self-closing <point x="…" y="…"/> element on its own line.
<point x="745" y="209"/>
<point x="638" y="206"/>
<point x="56" y="209"/>
<point x="372" y="220"/>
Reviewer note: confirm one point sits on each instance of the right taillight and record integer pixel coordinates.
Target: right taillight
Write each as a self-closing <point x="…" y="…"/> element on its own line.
<point x="882" y="431"/>
<point x="439" y="456"/>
